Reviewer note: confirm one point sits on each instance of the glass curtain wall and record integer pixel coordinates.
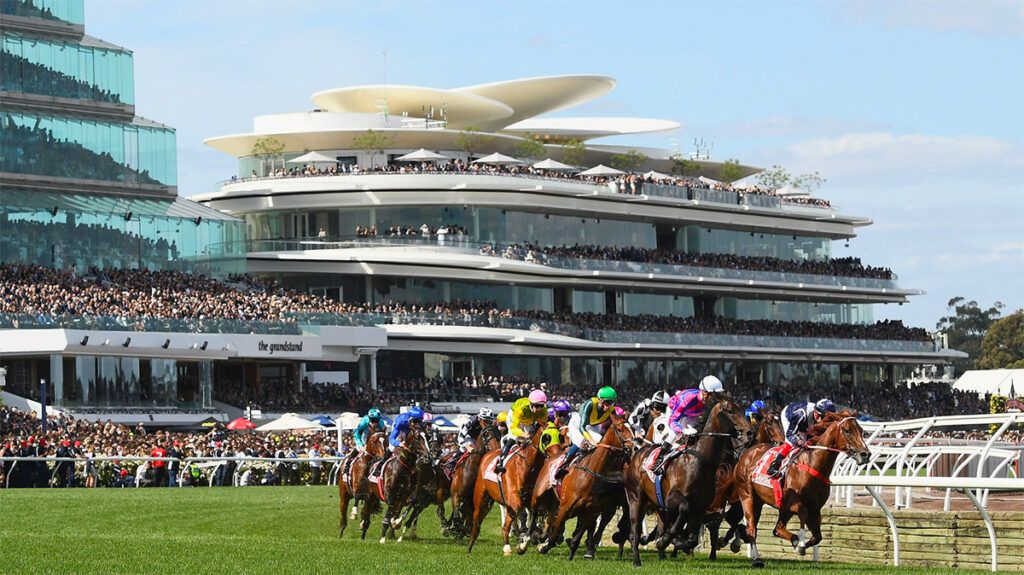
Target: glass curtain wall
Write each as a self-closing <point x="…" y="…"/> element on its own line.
<point x="66" y="70"/>
<point x="70" y="11"/>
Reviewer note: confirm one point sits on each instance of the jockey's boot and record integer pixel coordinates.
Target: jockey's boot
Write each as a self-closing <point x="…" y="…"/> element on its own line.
<point x="774" y="466"/>
<point x="499" y="467"/>
<point x="563" y="466"/>
<point x="659" y="464"/>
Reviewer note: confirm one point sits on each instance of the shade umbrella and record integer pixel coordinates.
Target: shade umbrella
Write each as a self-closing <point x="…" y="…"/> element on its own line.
<point x="657" y="175"/>
<point x="601" y="170"/>
<point x="497" y="159"/>
<point x="421" y="155"/>
<point x="241" y="424"/>
<point x="442" y="423"/>
<point x="322" y="420"/>
<point x="348" y="420"/>
<point x="313" y="158"/>
<point x="289" y="422"/>
<point x="550" y="164"/>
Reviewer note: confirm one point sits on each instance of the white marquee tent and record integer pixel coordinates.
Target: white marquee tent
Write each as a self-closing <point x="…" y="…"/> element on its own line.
<point x="997" y="381"/>
<point x="289" y="422"/>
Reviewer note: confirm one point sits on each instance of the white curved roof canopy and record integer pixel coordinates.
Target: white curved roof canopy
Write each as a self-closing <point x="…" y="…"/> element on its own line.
<point x="530" y="97"/>
<point x="462" y="109"/>
<point x="562" y="129"/>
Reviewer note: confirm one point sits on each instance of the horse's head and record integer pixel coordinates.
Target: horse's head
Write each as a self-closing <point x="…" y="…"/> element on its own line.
<point x="842" y="432"/>
<point x="620" y="434"/>
<point x="727" y="417"/>
<point x="770" y="429"/>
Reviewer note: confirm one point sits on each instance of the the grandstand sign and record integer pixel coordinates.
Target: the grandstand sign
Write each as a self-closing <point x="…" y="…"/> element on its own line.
<point x="280" y="347"/>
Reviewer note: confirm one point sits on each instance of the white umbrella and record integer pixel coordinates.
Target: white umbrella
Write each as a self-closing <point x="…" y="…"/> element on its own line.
<point x="601" y="170"/>
<point x="498" y="160"/>
<point x="289" y="422"/>
<point x="550" y="164"/>
<point x="313" y="158"/>
<point x="657" y="175"/>
<point x="421" y="155"/>
<point x="348" y="420"/>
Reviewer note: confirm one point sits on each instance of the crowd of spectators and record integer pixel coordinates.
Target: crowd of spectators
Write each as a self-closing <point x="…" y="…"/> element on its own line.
<point x="36" y="150"/>
<point x="136" y="295"/>
<point x="21" y="75"/>
<point x="627" y="183"/>
<point x="26" y="8"/>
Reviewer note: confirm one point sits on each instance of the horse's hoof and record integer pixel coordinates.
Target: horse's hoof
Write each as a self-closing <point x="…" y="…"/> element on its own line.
<point x="399" y="540"/>
<point x="383" y="539"/>
<point x="801" y="549"/>
<point x="758" y="564"/>
<point x="588" y="555"/>
<point x="507" y="551"/>
<point x="735" y="546"/>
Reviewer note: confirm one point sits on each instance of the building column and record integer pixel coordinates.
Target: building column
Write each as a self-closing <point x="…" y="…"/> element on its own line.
<point x="373" y="371"/>
<point x="57" y="379"/>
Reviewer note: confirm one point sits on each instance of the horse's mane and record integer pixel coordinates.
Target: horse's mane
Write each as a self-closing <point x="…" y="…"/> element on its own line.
<point x="819" y="428"/>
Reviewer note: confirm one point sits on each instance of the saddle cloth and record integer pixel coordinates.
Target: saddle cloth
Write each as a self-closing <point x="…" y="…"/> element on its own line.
<point x="648" y="464"/>
<point x="553" y="469"/>
<point x="489" y="473"/>
<point x="760" y="473"/>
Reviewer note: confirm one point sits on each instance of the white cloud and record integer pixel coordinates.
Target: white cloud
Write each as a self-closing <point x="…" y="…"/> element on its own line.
<point x="982" y="17"/>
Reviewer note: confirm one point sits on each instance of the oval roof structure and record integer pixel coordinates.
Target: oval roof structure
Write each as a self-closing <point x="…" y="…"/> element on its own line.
<point x="561" y="129"/>
<point x="530" y="97"/>
<point x="461" y="108"/>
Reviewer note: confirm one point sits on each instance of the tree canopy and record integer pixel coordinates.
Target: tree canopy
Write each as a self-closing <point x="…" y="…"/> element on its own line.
<point x="267" y="147"/>
<point x="730" y="171"/>
<point x="1003" y="344"/>
<point x="372" y="142"/>
<point x="628" y="162"/>
<point x="683" y="166"/>
<point x="574" y="152"/>
<point x="530" y="148"/>
<point x="471" y="140"/>
<point x="965" y="328"/>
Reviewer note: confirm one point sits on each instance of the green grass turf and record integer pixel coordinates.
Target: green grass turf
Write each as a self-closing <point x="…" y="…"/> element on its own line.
<point x="277" y="530"/>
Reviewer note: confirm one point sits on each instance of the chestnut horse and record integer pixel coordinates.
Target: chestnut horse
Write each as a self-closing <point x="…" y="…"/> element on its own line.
<point x="806" y="486"/>
<point x="512" y="490"/>
<point x="689" y="479"/>
<point x="352" y="484"/>
<point x="592" y="488"/>
<point x="464" y="478"/>
<point x="769" y="432"/>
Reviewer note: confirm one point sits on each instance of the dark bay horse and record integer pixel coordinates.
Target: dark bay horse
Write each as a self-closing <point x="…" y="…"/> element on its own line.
<point x="352" y="483"/>
<point x="464" y="475"/>
<point x="726" y="505"/>
<point x="395" y="484"/>
<point x="806" y="486"/>
<point x="688" y="481"/>
<point x="512" y="490"/>
<point x="591" y="489"/>
<point x="432" y="488"/>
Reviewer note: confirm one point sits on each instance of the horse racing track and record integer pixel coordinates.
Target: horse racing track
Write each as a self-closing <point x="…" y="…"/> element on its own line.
<point x="278" y="530"/>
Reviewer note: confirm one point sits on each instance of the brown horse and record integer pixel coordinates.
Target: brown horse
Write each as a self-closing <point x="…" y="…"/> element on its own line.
<point x="591" y="489"/>
<point x="512" y="490"/>
<point x="352" y="483"/>
<point x="395" y="483"/>
<point x="726" y="503"/>
<point x="806" y="486"/>
<point x="688" y="481"/>
<point x="464" y="478"/>
<point x="432" y="487"/>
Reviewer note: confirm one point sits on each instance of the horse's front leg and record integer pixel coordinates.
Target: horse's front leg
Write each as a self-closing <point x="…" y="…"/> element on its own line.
<point x="780" y="531"/>
<point x="811" y="517"/>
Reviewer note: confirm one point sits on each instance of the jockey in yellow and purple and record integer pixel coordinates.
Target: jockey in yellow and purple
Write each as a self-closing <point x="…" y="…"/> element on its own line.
<point x="523" y="416"/>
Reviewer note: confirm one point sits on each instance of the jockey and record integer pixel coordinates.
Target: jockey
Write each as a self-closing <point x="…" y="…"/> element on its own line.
<point x="587" y="426"/>
<point x="371" y="423"/>
<point x="524" y="414"/>
<point x="647" y="411"/>
<point x="471" y="429"/>
<point x="561" y="410"/>
<point x="756" y="411"/>
<point x="405" y="424"/>
<point x="797" y="418"/>
<point x="685" y="409"/>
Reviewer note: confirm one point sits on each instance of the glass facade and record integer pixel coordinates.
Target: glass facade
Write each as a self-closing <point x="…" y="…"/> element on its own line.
<point x="483" y="225"/>
<point x="516" y="297"/>
<point x="719" y="241"/>
<point x="69" y="11"/>
<point x="87" y="149"/>
<point x="62" y="230"/>
<point x="66" y="70"/>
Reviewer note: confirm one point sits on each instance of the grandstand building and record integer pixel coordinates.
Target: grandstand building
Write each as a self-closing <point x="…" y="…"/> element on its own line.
<point x="421" y="195"/>
<point x="86" y="183"/>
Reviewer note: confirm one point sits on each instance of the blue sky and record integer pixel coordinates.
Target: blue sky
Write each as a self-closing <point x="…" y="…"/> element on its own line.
<point x="913" y="111"/>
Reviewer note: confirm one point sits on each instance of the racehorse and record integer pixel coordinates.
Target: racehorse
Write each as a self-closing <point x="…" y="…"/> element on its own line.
<point x="512" y="490"/>
<point x="464" y="478"/>
<point x="395" y="482"/>
<point x="590" y="489"/>
<point x="768" y="430"/>
<point x="689" y="479"/>
<point x="353" y="485"/>
<point x="432" y="487"/>
<point x="805" y="486"/>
